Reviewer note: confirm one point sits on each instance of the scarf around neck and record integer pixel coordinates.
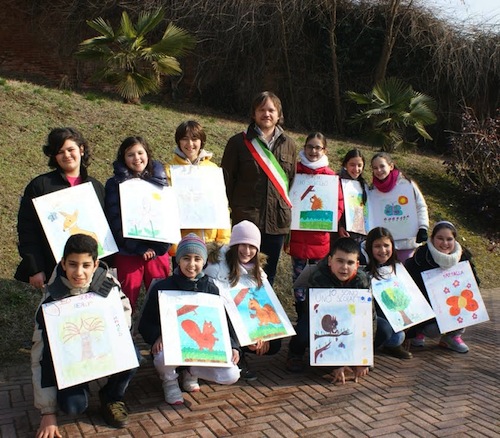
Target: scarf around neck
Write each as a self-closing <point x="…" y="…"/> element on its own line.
<point x="387" y="184"/>
<point x="445" y="261"/>
<point x="314" y="165"/>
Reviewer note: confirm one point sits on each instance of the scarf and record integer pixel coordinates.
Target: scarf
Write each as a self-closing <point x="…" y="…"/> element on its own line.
<point x="445" y="261"/>
<point x="314" y="165"/>
<point x="387" y="184"/>
<point x="203" y="155"/>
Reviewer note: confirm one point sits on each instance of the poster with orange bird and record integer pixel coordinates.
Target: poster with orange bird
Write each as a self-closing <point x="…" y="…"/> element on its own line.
<point x="455" y="297"/>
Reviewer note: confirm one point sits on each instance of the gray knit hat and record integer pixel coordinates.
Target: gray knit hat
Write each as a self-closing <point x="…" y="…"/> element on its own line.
<point x="191" y="244"/>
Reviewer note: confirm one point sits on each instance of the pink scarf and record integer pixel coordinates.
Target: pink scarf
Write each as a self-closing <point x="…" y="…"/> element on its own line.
<point x="387" y="184"/>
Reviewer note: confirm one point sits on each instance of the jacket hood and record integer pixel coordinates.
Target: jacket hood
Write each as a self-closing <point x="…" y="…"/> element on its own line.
<point x="158" y="176"/>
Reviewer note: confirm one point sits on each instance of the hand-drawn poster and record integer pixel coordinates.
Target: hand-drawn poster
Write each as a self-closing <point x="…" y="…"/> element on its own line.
<point x="149" y="212"/>
<point x="341" y="324"/>
<point x="455" y="297"/>
<point x="197" y="329"/>
<point x="256" y="313"/>
<point x="75" y="210"/>
<point x="355" y="212"/>
<point x="89" y="338"/>
<point x="315" y="201"/>
<point x="400" y="298"/>
<point x="396" y="211"/>
<point x="201" y="196"/>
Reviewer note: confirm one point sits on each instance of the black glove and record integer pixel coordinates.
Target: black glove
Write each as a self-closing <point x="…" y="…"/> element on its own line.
<point x="422" y="235"/>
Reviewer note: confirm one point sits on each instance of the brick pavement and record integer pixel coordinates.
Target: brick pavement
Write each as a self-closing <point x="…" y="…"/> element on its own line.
<point x="436" y="394"/>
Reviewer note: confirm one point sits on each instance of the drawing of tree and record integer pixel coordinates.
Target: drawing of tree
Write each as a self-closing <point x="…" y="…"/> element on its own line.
<point x="396" y="300"/>
<point x="84" y="330"/>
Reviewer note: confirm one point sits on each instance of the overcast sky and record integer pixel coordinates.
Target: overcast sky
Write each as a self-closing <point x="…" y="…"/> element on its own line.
<point x="472" y="11"/>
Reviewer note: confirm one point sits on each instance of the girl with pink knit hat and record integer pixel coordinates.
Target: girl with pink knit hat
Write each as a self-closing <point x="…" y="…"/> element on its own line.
<point x="241" y="259"/>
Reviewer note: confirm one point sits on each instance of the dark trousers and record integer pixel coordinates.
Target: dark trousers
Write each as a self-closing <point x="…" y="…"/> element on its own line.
<point x="271" y="245"/>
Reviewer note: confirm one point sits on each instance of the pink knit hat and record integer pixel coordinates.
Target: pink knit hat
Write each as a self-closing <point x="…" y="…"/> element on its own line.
<point x="245" y="232"/>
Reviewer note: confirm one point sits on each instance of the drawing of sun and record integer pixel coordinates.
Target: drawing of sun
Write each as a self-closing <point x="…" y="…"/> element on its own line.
<point x="403" y="200"/>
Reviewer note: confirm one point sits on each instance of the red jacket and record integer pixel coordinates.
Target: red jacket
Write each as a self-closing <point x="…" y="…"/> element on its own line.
<point x="313" y="244"/>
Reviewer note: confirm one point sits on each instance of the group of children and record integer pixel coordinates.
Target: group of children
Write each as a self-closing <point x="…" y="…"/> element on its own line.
<point x="259" y="165"/>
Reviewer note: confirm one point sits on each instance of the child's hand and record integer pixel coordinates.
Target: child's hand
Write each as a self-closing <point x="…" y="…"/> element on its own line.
<point x="38" y="280"/>
<point x="149" y="254"/>
<point x="48" y="427"/>
<point x="343" y="232"/>
<point x="236" y="356"/>
<point x="359" y="372"/>
<point x="422" y="235"/>
<point x="157" y="346"/>
<point x="260" y="348"/>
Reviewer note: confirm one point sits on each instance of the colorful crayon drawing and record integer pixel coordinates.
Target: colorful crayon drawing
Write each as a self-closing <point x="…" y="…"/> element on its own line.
<point x="71" y="211"/>
<point x="356" y="213"/>
<point x="149" y="212"/>
<point x="395" y="210"/>
<point x="455" y="297"/>
<point x="88" y="337"/>
<point x="256" y="313"/>
<point x="400" y="298"/>
<point x="341" y="330"/>
<point x="197" y="327"/>
<point x="315" y="202"/>
<point x="201" y="196"/>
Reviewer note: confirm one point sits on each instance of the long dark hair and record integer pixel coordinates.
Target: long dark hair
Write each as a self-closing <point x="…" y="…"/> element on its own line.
<point x="233" y="263"/>
<point x="356" y="153"/>
<point x="373" y="235"/>
<point x="132" y="141"/>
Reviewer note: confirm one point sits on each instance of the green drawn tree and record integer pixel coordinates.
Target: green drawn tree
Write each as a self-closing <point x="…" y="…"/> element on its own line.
<point x="396" y="300"/>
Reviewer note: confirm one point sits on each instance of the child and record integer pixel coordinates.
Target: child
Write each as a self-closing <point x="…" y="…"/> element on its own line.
<point x="311" y="246"/>
<point x="191" y="256"/>
<point x="352" y="169"/>
<point x="259" y="167"/>
<point x="69" y="154"/>
<point x="241" y="260"/>
<point x="78" y="272"/>
<point x="441" y="251"/>
<point x="381" y="252"/>
<point x="386" y="177"/>
<point x="136" y="260"/>
<point x="339" y="270"/>
<point x="190" y="138"/>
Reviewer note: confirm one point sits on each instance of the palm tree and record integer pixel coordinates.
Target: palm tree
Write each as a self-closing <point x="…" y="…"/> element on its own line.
<point x="131" y="63"/>
<point x="392" y="108"/>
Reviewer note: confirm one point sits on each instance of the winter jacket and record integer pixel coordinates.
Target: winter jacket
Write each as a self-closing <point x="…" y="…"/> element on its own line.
<point x="128" y="246"/>
<point x="149" y="324"/>
<point x="208" y="235"/>
<point x="33" y="245"/>
<point x="250" y="193"/>
<point x="58" y="288"/>
<point x="313" y="245"/>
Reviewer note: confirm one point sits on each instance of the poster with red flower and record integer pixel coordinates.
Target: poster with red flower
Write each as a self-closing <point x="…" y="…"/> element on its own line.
<point x="455" y="297"/>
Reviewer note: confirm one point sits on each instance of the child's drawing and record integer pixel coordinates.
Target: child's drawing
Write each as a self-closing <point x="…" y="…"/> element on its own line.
<point x="88" y="337"/>
<point x="314" y="202"/>
<point x="455" y="297"/>
<point x="149" y="212"/>
<point x="197" y="329"/>
<point x="71" y="211"/>
<point x="256" y="313"/>
<point x="201" y="196"/>
<point x="400" y="298"/>
<point x="395" y="210"/>
<point x="341" y="331"/>
<point x="356" y="213"/>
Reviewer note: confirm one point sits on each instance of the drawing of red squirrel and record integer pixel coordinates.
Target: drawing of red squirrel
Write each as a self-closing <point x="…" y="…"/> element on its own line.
<point x="266" y="314"/>
<point x="204" y="338"/>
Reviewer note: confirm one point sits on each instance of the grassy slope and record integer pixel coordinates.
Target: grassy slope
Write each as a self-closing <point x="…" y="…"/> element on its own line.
<point x="28" y="112"/>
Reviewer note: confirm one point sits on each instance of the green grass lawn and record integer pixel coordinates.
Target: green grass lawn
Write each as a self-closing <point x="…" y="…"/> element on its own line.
<point x="28" y="112"/>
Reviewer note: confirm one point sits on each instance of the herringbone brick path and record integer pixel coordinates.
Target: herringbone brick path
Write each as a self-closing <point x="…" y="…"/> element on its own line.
<point x="436" y="394"/>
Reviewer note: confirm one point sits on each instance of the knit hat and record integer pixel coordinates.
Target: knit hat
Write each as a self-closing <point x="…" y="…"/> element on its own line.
<point x="191" y="244"/>
<point x="245" y="232"/>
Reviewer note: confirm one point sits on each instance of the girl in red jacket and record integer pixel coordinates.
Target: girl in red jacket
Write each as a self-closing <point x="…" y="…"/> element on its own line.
<point x="308" y="247"/>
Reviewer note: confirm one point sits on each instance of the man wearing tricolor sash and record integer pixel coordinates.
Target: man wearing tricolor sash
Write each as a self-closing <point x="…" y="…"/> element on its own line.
<point x="259" y="167"/>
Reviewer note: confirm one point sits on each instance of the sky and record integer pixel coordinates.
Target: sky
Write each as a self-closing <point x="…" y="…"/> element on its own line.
<point x="470" y="11"/>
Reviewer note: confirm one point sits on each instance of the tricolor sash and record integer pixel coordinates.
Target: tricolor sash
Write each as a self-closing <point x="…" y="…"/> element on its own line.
<point x="269" y="164"/>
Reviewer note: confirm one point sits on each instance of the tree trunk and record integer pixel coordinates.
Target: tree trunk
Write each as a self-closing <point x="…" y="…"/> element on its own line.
<point x="339" y="122"/>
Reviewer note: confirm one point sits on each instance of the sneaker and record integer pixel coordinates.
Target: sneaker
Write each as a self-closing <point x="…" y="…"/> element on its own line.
<point x="245" y="373"/>
<point x="173" y="394"/>
<point x="295" y="364"/>
<point x="398" y="352"/>
<point x="189" y="382"/>
<point x="454" y="343"/>
<point x="115" y="414"/>
<point x="418" y="341"/>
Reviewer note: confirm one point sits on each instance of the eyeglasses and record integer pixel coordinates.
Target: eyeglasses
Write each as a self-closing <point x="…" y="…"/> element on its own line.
<point x="312" y="147"/>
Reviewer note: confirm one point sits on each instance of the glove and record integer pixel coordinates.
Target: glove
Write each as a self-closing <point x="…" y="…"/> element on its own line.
<point x="422" y="235"/>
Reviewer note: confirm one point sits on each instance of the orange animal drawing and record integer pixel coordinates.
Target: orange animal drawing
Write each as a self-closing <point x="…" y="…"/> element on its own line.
<point x="204" y="338"/>
<point x="265" y="314"/>
<point x="71" y="225"/>
<point x="316" y="203"/>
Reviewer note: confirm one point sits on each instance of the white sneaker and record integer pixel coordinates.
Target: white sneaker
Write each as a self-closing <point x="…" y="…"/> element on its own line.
<point x="189" y="382"/>
<point x="173" y="394"/>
